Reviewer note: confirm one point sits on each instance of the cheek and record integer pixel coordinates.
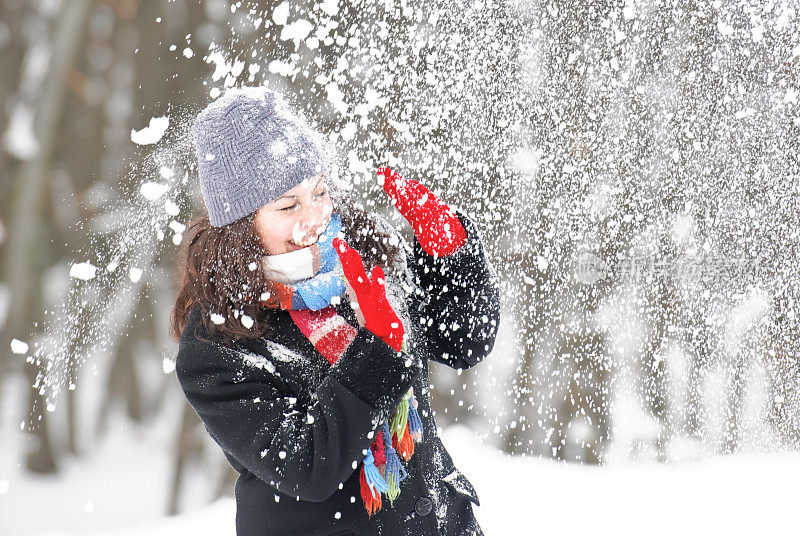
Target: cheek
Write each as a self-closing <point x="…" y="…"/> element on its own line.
<point x="273" y="234"/>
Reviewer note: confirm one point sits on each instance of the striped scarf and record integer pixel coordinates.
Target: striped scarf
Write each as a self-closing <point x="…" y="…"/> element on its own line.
<point x="306" y="282"/>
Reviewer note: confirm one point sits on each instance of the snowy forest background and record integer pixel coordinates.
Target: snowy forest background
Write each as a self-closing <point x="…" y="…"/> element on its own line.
<point x="632" y="165"/>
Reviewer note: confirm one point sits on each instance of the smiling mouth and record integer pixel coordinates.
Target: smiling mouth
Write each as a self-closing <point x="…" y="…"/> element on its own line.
<point x="305" y="243"/>
<point x="317" y="232"/>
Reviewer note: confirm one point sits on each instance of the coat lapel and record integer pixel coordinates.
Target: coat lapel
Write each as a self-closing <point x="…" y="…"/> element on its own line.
<point x="300" y="364"/>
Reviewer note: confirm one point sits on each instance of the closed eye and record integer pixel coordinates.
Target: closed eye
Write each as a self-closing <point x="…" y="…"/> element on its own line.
<point x="320" y="194"/>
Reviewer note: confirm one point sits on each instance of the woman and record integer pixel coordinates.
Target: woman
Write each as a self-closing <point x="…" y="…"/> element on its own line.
<point x="310" y="374"/>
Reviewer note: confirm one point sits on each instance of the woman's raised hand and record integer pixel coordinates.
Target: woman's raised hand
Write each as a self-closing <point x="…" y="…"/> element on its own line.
<point x="376" y="314"/>
<point x="435" y="225"/>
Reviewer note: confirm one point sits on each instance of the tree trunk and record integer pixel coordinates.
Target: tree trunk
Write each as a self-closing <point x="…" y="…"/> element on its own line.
<point x="25" y="235"/>
<point x="188" y="444"/>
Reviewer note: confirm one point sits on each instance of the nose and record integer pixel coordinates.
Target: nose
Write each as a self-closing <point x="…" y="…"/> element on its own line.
<point x="309" y="215"/>
<point x="311" y="218"/>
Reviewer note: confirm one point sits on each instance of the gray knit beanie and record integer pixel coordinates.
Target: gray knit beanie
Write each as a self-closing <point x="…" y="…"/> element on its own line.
<point x="251" y="148"/>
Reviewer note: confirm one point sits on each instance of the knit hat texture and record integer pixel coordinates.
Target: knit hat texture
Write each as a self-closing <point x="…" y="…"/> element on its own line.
<point x="251" y="149"/>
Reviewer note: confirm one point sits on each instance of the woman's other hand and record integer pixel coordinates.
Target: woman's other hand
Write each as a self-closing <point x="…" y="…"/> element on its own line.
<point x="435" y="224"/>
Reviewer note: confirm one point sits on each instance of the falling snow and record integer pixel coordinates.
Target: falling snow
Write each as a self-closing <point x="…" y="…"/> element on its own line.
<point x="633" y="170"/>
<point x="152" y="133"/>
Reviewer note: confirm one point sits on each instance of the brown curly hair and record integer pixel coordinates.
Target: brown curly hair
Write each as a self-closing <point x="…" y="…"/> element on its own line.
<point x="214" y="269"/>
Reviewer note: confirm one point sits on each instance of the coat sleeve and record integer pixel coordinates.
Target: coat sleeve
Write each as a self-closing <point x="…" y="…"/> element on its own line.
<point x="302" y="450"/>
<point x="459" y="311"/>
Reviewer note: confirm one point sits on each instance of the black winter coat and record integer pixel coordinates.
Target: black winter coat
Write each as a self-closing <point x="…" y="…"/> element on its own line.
<point x="296" y="428"/>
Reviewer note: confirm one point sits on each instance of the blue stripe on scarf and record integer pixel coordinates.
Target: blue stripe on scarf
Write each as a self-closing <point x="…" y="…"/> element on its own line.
<point x="315" y="293"/>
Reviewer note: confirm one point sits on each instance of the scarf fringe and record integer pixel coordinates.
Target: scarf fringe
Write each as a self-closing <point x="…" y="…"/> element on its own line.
<point x="414" y="420"/>
<point x="383" y="458"/>
<point x="375" y="483"/>
<point x="372" y="500"/>
<point x="400" y="417"/>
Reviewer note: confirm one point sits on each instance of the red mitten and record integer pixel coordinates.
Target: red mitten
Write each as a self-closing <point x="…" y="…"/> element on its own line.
<point x="435" y="225"/>
<point x="377" y="313"/>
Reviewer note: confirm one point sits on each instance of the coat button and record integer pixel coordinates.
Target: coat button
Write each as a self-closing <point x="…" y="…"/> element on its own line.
<point x="423" y="506"/>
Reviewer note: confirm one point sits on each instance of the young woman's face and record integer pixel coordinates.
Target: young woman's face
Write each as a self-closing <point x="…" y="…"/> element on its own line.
<point x="296" y="219"/>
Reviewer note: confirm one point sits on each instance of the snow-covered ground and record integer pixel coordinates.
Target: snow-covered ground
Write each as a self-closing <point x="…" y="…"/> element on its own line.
<point x="121" y="490"/>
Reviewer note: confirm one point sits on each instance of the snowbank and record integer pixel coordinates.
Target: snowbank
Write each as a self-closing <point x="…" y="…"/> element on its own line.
<point x="734" y="495"/>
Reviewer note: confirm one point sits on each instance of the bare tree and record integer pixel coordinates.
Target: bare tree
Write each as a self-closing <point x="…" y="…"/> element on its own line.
<point x="27" y="231"/>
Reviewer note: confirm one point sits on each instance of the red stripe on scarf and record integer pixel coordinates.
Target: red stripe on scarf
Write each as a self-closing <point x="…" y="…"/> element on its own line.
<point x="284" y="294"/>
<point x="332" y="343"/>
